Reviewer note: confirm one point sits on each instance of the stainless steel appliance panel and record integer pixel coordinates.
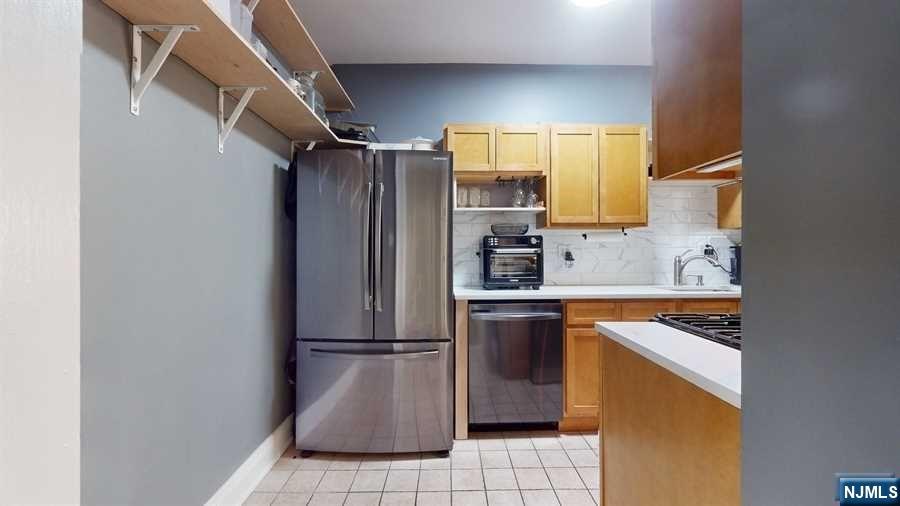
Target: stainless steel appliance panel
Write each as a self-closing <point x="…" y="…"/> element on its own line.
<point x="412" y="242"/>
<point x="515" y="362"/>
<point x="375" y="397"/>
<point x="334" y="256"/>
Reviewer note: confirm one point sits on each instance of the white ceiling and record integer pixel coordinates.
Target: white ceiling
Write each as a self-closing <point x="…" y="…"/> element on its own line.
<point x="479" y="31"/>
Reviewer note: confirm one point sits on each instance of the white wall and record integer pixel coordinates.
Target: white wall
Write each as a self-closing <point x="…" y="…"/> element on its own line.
<point x="682" y="215"/>
<point x="39" y="251"/>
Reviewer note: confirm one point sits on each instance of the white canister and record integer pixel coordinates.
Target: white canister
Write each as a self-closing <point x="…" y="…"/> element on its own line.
<point x="462" y="196"/>
<point x="474" y="197"/>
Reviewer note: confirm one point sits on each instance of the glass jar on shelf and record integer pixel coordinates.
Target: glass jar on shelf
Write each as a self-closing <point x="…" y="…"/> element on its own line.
<point x="485" y="197"/>
<point x="474" y="197"/>
<point x="462" y="196"/>
<point x="518" y="196"/>
<point x="531" y="200"/>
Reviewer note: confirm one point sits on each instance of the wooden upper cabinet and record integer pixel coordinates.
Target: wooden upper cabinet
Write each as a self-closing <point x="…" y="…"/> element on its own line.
<point x="623" y="174"/>
<point x="696" y="83"/>
<point x="729" y="206"/>
<point x="522" y="148"/>
<point x="472" y="146"/>
<point x="574" y="175"/>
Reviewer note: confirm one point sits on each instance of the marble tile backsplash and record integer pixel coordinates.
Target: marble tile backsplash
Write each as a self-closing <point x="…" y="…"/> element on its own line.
<point x="682" y="215"/>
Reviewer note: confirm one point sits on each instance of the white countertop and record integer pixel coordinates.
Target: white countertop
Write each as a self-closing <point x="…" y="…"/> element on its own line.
<point x="591" y="292"/>
<point x="711" y="366"/>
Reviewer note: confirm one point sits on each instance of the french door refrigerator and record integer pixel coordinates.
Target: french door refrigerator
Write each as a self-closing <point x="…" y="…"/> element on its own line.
<point x="374" y="301"/>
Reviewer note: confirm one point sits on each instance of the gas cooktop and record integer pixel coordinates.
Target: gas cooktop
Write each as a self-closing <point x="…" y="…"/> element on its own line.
<point x="724" y="328"/>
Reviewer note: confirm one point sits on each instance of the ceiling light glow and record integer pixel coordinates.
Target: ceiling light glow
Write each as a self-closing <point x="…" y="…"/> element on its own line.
<point x="590" y="3"/>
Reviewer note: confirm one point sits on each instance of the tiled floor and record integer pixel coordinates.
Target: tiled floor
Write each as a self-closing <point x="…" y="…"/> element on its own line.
<point x="512" y="468"/>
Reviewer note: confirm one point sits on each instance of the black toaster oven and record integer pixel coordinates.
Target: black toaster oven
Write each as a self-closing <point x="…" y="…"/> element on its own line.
<point x="512" y="261"/>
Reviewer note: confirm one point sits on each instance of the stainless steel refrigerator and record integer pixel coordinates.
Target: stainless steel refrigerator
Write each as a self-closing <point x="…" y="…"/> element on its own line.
<point x="374" y="301"/>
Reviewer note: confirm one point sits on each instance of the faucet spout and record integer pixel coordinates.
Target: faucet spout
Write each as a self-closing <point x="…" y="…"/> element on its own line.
<point x="680" y="263"/>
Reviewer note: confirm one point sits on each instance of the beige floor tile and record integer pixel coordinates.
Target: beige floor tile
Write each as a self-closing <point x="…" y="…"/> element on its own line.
<point x="274" y="480"/>
<point x="434" y="480"/>
<point x="469" y="499"/>
<point x="433" y="499"/>
<point x="401" y="480"/>
<point x="584" y="458"/>
<point x="290" y="452"/>
<point x="432" y="461"/>
<point x="318" y="461"/>
<point x="504" y="498"/>
<point x="290" y="499"/>
<point x="369" y="481"/>
<point x="546" y="442"/>
<point x="493" y="441"/>
<point x="406" y="461"/>
<point x="573" y="442"/>
<point x="286" y="463"/>
<point x="398" y="499"/>
<point x="500" y="479"/>
<point x="532" y="479"/>
<point x="540" y="498"/>
<point x="303" y="481"/>
<point x="327" y="499"/>
<point x="465" y="460"/>
<point x="346" y="462"/>
<point x="495" y="459"/>
<point x="363" y="499"/>
<point x="518" y="443"/>
<point x="465" y="445"/>
<point x="466" y="479"/>
<point x="336" y="481"/>
<point x="574" y="498"/>
<point x="555" y="458"/>
<point x="590" y="476"/>
<point x="592" y="438"/>
<point x="595" y="493"/>
<point x="524" y="458"/>
<point x="564" y="478"/>
<point x="260" y="499"/>
<point x="375" y="462"/>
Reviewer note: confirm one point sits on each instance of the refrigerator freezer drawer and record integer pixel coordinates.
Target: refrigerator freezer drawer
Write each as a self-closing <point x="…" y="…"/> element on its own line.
<point x="374" y="397"/>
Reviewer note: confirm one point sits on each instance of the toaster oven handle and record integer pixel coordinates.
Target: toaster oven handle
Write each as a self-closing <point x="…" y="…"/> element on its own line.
<point x="367" y="240"/>
<point x="500" y="251"/>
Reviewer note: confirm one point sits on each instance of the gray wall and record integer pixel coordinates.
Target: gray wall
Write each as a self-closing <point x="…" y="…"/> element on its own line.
<point x="186" y="271"/>
<point x="410" y="100"/>
<point x="820" y="366"/>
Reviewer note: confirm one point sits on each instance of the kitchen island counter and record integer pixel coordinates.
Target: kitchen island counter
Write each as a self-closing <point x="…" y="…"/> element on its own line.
<point x="562" y="292"/>
<point x="714" y="367"/>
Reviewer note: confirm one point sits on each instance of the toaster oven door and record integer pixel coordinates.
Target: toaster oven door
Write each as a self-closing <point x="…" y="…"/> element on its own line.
<point x="520" y="264"/>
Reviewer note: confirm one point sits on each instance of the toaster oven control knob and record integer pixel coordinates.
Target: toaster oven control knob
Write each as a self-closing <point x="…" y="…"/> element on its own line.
<point x="533" y="240"/>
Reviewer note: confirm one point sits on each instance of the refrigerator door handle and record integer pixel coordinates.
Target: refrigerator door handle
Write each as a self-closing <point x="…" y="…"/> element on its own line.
<point x="379" y="205"/>
<point x="350" y="355"/>
<point x="367" y="240"/>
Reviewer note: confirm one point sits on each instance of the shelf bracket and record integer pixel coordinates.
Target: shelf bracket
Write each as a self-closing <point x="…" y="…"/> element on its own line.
<point x="251" y="6"/>
<point x="296" y="146"/>
<point x="141" y="79"/>
<point x="225" y="126"/>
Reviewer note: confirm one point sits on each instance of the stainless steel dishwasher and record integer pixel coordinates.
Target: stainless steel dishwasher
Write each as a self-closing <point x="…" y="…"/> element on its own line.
<point x="515" y="363"/>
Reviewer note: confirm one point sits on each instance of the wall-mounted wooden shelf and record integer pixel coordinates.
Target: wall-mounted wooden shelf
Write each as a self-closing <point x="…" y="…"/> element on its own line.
<point x="218" y="52"/>
<point x="283" y="28"/>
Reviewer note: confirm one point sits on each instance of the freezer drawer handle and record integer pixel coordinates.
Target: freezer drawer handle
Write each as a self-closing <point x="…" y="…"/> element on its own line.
<point x="350" y="355"/>
<point x="514" y="317"/>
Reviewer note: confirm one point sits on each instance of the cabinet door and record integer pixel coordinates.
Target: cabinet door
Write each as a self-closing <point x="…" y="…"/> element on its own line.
<point x="696" y="83"/>
<point x="623" y="174"/>
<point x="574" y="177"/>
<point x="709" y="306"/>
<point x="522" y="148"/>
<point x="645" y="310"/>
<point x="729" y="206"/>
<point x="582" y="396"/>
<point x="472" y="146"/>
<point x="586" y="313"/>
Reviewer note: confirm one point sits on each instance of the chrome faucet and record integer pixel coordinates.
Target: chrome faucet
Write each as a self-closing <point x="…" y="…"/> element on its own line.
<point x="709" y="254"/>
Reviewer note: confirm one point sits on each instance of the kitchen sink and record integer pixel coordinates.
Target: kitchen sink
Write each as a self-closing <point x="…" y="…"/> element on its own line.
<point x="694" y="288"/>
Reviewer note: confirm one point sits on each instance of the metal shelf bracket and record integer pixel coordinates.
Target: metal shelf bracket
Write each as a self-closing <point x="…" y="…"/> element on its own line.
<point x="225" y="126"/>
<point x="298" y="146"/>
<point x="140" y="79"/>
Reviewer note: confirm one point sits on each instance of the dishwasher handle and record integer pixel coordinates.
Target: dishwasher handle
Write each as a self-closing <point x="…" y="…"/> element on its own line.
<point x="515" y="317"/>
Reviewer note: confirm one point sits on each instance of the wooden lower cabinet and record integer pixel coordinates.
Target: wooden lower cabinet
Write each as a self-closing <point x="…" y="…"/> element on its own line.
<point x="690" y="448"/>
<point x="583" y="354"/>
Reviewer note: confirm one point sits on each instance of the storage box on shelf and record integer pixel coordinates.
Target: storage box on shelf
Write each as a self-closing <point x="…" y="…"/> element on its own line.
<point x="222" y="55"/>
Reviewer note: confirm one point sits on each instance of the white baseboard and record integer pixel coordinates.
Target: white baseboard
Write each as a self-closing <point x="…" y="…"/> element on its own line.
<point x="238" y="487"/>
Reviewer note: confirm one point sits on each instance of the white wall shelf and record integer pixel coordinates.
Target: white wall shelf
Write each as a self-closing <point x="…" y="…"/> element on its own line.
<point x="500" y="209"/>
